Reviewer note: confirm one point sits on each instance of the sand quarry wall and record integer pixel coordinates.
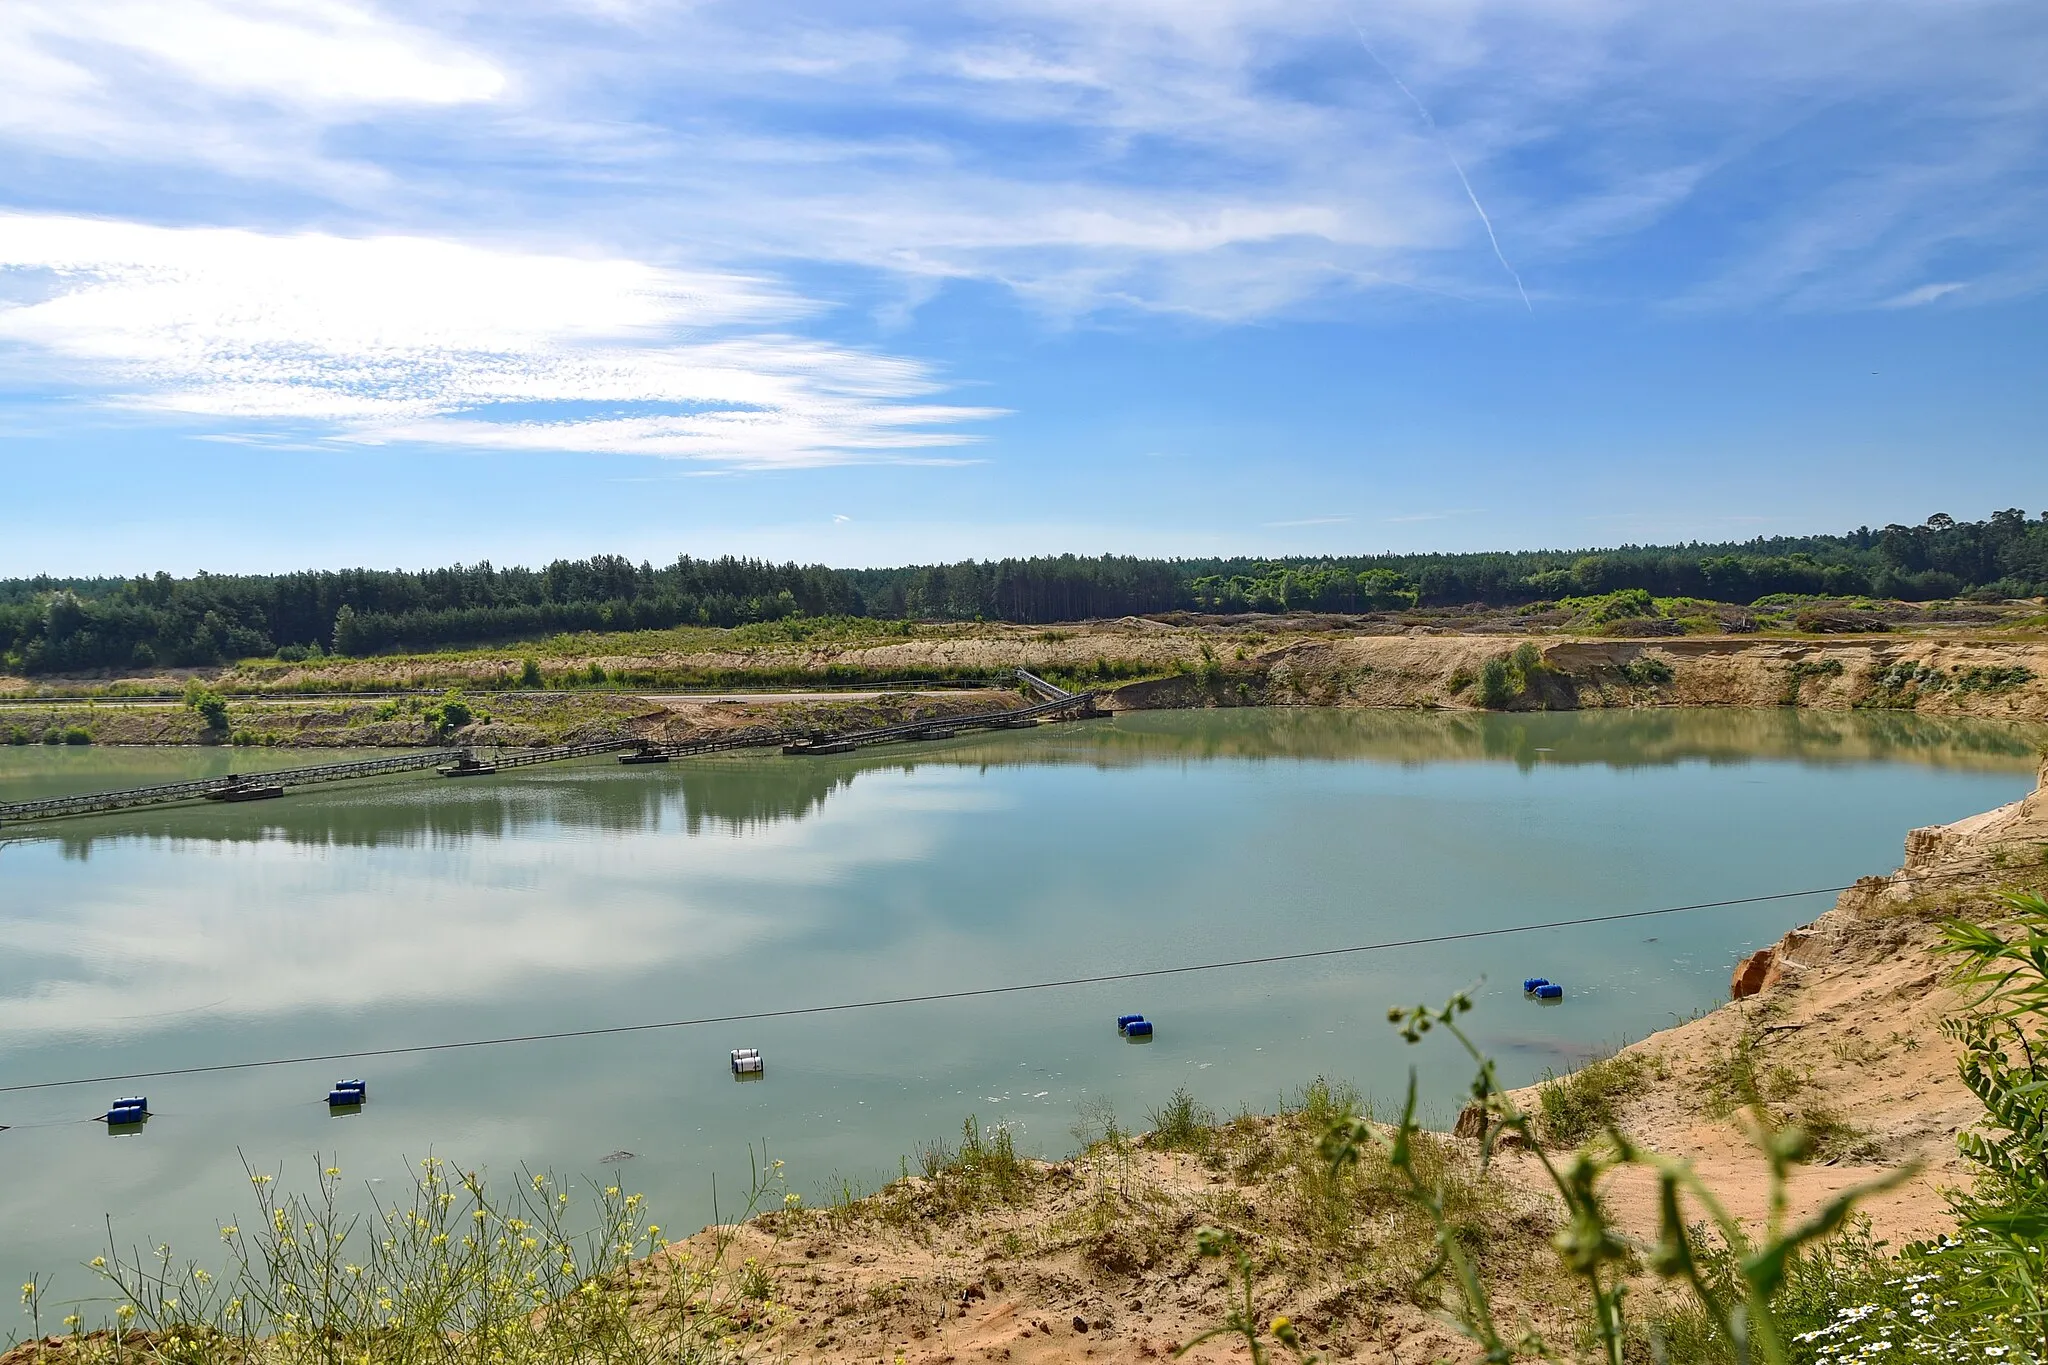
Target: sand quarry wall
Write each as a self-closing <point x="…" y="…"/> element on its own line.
<point x="1992" y="679"/>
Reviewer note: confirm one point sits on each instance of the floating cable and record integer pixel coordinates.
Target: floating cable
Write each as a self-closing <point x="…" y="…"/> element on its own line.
<point x="935" y="996"/>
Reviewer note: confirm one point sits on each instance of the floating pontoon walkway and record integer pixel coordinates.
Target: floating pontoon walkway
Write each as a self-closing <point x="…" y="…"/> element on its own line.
<point x="230" y="788"/>
<point x="466" y="763"/>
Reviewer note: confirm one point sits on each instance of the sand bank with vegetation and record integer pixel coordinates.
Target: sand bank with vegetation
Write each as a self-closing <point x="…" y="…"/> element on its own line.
<point x="609" y="686"/>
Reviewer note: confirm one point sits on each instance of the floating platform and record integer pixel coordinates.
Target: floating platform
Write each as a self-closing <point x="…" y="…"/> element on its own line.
<point x="246" y="794"/>
<point x="631" y="759"/>
<point x="468" y="770"/>
<point x="831" y="746"/>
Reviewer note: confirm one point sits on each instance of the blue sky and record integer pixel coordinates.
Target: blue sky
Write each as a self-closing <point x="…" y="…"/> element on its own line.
<point x="324" y="282"/>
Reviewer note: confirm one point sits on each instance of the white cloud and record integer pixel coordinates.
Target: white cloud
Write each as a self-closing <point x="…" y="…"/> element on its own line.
<point x="1229" y="159"/>
<point x="1240" y="158"/>
<point x="1924" y="294"/>
<point x="410" y="338"/>
<point x="293" y="52"/>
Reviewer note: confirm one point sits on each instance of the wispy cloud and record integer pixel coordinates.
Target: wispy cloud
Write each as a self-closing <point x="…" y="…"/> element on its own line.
<point x="405" y="338"/>
<point x="647" y="172"/>
<point x="1924" y="294"/>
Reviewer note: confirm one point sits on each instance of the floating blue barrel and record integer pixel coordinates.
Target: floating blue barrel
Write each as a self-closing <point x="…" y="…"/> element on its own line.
<point x="132" y="1102"/>
<point x="347" y="1093"/>
<point x="1546" y="991"/>
<point x="126" y="1113"/>
<point x="1530" y="985"/>
<point x="360" y="1087"/>
<point x="1124" y="1021"/>
<point x="1137" y="1028"/>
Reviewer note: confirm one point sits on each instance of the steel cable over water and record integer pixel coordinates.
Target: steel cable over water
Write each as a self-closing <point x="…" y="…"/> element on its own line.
<point x="969" y="993"/>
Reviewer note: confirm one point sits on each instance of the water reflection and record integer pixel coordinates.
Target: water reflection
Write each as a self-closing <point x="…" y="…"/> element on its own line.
<point x="736" y="793"/>
<point x="414" y="910"/>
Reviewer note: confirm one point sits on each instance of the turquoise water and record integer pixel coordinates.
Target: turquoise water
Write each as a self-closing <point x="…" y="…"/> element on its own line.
<point x="416" y="910"/>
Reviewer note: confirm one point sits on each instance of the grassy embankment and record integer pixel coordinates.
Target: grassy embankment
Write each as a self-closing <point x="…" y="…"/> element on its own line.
<point x="976" y="1249"/>
<point x="587" y="686"/>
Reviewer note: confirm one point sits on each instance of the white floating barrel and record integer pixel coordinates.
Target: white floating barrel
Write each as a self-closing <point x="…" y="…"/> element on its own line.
<point x="746" y="1061"/>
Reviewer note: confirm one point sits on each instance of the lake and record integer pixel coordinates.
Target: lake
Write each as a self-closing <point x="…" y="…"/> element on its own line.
<point x="415" y="910"/>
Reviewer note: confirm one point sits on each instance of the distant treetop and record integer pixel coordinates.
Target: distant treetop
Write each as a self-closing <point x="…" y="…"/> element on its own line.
<point x="62" y="625"/>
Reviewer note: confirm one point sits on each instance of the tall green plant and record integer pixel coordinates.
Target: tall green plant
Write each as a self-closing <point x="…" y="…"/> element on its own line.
<point x="454" y="1274"/>
<point x="2003" y="1221"/>
<point x="211" y="706"/>
<point x="1735" y="1284"/>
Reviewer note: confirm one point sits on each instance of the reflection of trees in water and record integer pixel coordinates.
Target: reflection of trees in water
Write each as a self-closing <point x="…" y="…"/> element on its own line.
<point x="732" y="793"/>
<point x="740" y="792"/>
<point x="1618" y="739"/>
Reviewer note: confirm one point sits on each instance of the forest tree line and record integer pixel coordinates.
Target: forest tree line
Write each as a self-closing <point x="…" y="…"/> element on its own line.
<point x="60" y="625"/>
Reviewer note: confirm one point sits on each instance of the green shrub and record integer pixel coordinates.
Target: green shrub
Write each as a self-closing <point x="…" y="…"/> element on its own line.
<point x="1992" y="679"/>
<point x="211" y="706"/>
<point x="77" y="734"/>
<point x="1181" y="1125"/>
<point x="17" y="734"/>
<point x="1647" y="670"/>
<point x="529" y="672"/>
<point x="449" y="714"/>
<point x="1800" y="670"/>
<point x="1576" y="1106"/>
<point x="1497" y="684"/>
<point x="984" y="1170"/>
<point x="53" y="736"/>
<point x="1505" y="680"/>
<point x="1623" y="605"/>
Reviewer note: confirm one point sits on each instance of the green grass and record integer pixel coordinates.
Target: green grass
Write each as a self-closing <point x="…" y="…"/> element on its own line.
<point x="1742" y="1076"/>
<point x="1182" y="1125"/>
<point x="454" y="1271"/>
<point x="1580" y="1104"/>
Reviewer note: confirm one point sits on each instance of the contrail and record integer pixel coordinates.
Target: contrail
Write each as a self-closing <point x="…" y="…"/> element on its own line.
<point x="1449" y="156"/>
